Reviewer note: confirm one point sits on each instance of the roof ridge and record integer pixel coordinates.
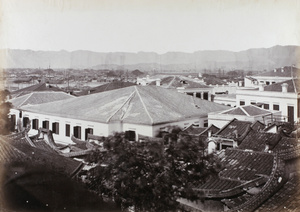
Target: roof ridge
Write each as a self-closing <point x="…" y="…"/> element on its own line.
<point x="135" y="87"/>
<point x="128" y="99"/>
<point x="295" y="89"/>
<point x="245" y="111"/>
<point x="26" y="99"/>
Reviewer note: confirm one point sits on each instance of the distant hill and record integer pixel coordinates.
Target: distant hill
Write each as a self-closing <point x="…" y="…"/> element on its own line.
<point x="252" y="59"/>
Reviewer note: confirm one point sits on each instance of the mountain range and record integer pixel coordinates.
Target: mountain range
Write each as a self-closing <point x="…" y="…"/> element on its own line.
<point x="251" y="59"/>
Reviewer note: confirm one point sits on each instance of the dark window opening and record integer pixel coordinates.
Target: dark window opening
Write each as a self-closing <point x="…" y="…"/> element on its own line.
<point x="130" y="135"/>
<point x="267" y="83"/>
<point x="46" y="125"/>
<point x="20" y="114"/>
<point x="198" y="95"/>
<point x="266" y="106"/>
<point x="253" y="103"/>
<point x="13" y="121"/>
<point x="88" y="131"/>
<point x="67" y="130"/>
<point x="55" y="127"/>
<point x="35" y="124"/>
<point x="25" y="121"/>
<point x="242" y="103"/>
<point x="205" y="123"/>
<point x="224" y="146"/>
<point x="291" y="114"/>
<point x="191" y="94"/>
<point x="77" y="132"/>
<point x="205" y="96"/>
<point x="275" y="107"/>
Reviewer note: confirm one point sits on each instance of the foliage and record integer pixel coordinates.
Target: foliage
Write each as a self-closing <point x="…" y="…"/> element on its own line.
<point x="150" y="176"/>
<point x="5" y="123"/>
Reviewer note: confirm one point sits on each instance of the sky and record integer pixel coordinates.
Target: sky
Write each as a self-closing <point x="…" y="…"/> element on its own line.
<point x="148" y="25"/>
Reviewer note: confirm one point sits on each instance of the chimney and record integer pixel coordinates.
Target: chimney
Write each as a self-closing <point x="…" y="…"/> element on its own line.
<point x="261" y="87"/>
<point x="211" y="147"/>
<point x="158" y="82"/>
<point x="209" y="133"/>
<point x="284" y="87"/>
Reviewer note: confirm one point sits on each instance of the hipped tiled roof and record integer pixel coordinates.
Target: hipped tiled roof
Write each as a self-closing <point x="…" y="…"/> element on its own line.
<point x="135" y="104"/>
<point x="247" y="110"/>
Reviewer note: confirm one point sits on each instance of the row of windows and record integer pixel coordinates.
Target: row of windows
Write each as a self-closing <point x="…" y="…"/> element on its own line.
<point x="265" y="106"/>
<point x="55" y="128"/>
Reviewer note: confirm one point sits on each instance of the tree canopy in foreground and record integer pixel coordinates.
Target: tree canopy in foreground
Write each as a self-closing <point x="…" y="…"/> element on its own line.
<point x="152" y="175"/>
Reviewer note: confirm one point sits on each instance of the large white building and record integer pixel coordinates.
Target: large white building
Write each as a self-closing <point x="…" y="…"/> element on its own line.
<point x="283" y="96"/>
<point x="137" y="110"/>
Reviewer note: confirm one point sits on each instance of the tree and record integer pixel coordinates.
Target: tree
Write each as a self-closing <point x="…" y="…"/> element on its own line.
<point x="152" y="175"/>
<point x="5" y="106"/>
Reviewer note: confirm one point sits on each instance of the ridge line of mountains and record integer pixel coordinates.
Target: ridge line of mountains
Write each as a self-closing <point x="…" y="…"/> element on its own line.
<point x="251" y="59"/>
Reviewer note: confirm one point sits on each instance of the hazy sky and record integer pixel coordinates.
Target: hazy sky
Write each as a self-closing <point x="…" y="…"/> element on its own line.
<point x="154" y="25"/>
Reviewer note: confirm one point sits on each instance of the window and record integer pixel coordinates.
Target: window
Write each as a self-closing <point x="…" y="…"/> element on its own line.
<point x="267" y="83"/>
<point x="130" y="135"/>
<point x="46" y="125"/>
<point x="205" y="124"/>
<point x="88" y="131"/>
<point x="77" y="132"/>
<point x="242" y="103"/>
<point x="266" y="106"/>
<point x="275" y="107"/>
<point x="35" y="124"/>
<point x="253" y="103"/>
<point x="67" y="130"/>
<point x="20" y="114"/>
<point x="55" y="127"/>
<point x="25" y="121"/>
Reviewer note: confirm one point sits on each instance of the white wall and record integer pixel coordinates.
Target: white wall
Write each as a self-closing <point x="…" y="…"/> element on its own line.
<point x="100" y="129"/>
<point x="282" y="99"/>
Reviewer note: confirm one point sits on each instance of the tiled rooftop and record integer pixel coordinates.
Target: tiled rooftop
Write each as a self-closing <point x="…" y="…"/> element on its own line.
<point x="239" y="126"/>
<point x="286" y="199"/>
<point x="257" y="141"/>
<point x="245" y="165"/>
<point x="293" y="86"/>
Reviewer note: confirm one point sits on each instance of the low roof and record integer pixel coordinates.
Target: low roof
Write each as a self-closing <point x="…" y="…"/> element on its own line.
<point x="247" y="110"/>
<point x="293" y="86"/>
<point x="194" y="130"/>
<point x="34" y="88"/>
<point x="105" y="87"/>
<point x="234" y="124"/>
<point x="181" y="81"/>
<point x="135" y="104"/>
<point x="39" y="98"/>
